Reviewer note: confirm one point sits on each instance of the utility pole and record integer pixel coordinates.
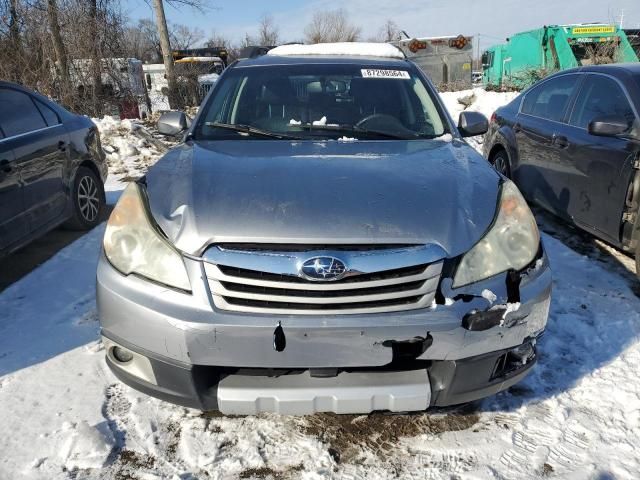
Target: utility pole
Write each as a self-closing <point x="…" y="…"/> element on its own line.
<point x="167" y="56"/>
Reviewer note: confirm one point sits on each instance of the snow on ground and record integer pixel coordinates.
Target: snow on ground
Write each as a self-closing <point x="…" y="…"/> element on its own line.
<point x="65" y="416"/>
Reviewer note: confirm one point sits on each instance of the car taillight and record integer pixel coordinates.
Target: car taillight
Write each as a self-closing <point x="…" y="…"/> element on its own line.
<point x="493" y="117"/>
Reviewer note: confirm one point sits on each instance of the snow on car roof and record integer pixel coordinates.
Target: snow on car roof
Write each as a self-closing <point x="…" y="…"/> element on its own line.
<point x="358" y="49"/>
<point x="199" y="59"/>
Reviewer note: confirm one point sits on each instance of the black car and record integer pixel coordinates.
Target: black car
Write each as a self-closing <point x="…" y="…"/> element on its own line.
<point x="572" y="145"/>
<point x="52" y="168"/>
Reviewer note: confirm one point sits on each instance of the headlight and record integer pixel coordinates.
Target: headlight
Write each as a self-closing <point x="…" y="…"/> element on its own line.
<point x="133" y="244"/>
<point x="511" y="243"/>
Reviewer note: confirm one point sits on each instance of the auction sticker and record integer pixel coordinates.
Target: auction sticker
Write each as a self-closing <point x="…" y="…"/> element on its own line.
<point x="375" y="73"/>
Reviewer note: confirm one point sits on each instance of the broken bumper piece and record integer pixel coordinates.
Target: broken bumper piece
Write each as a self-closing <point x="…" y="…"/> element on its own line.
<point x="253" y="391"/>
<point x="179" y="348"/>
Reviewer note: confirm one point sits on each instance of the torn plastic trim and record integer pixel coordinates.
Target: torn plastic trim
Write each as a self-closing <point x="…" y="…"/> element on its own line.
<point x="479" y="321"/>
<point x="403" y="350"/>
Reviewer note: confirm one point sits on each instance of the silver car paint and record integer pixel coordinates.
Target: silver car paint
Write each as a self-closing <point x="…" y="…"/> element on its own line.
<point x="435" y="192"/>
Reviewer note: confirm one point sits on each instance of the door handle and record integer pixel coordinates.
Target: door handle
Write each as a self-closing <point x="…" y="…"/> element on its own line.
<point x="62" y="146"/>
<point x="5" y="166"/>
<point x="560" y="141"/>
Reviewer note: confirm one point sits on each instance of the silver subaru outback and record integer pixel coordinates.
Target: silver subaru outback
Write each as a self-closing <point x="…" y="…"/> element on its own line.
<point x="322" y="240"/>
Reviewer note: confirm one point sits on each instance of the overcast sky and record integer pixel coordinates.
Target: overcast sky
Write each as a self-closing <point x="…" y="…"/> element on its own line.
<point x="492" y="19"/>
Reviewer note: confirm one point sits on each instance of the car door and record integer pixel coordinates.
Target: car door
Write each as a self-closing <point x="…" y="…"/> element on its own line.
<point x="602" y="167"/>
<point x="540" y="172"/>
<point x="40" y="143"/>
<point x="13" y="221"/>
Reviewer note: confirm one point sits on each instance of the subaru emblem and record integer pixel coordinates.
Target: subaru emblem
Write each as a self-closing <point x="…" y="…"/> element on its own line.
<point x="323" y="269"/>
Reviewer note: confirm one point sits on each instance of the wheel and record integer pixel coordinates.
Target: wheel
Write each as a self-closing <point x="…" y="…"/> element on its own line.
<point x="500" y="162"/>
<point x="88" y="200"/>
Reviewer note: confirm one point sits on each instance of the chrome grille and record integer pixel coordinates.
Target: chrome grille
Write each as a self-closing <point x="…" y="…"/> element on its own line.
<point x="365" y="290"/>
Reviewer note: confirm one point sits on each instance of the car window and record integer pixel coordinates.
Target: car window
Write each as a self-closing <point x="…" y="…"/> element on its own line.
<point x="18" y="113"/>
<point x="49" y="115"/>
<point x="550" y="99"/>
<point x="322" y="102"/>
<point x="600" y="96"/>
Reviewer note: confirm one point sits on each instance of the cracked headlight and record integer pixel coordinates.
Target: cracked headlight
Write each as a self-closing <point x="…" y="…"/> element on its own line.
<point x="133" y="244"/>
<point x="512" y="242"/>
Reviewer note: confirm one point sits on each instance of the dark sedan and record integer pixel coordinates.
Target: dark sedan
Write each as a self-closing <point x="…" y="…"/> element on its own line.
<point x="52" y="168"/>
<point x="572" y="145"/>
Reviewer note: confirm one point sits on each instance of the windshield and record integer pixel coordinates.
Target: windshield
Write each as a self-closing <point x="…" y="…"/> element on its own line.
<point x="320" y="102"/>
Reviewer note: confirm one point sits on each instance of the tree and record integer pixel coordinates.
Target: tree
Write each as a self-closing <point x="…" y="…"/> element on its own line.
<point x="142" y="41"/>
<point x="167" y="56"/>
<point x="331" y="26"/>
<point x="96" y="58"/>
<point x="389" y="32"/>
<point x="268" y="33"/>
<point x="59" y="47"/>
<point x="218" y="40"/>
<point x="184" y="37"/>
<point x="62" y="64"/>
<point x="14" y="27"/>
<point x="165" y="44"/>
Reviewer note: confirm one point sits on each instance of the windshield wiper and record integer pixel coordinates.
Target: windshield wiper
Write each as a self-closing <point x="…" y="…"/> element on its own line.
<point x="249" y="130"/>
<point x="364" y="131"/>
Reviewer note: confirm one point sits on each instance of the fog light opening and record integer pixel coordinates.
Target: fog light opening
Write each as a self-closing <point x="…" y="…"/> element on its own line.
<point x="121" y="355"/>
<point x="522" y="354"/>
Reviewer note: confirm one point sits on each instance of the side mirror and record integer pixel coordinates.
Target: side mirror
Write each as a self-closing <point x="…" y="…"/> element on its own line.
<point x="471" y="124"/>
<point x="608" y="125"/>
<point x="173" y="123"/>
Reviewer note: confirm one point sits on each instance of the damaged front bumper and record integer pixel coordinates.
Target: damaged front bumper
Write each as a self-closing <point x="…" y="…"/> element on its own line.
<point x="187" y="351"/>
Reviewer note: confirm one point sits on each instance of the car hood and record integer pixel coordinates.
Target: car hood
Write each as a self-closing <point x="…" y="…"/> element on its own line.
<point x="364" y="192"/>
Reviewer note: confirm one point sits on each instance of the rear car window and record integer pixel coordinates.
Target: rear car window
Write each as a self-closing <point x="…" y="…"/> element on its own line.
<point x="19" y="113"/>
<point x="49" y="115"/>
<point x="600" y="96"/>
<point x="550" y="99"/>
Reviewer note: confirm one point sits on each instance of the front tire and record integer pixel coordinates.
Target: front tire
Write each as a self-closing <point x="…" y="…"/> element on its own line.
<point x="88" y="200"/>
<point x="500" y="162"/>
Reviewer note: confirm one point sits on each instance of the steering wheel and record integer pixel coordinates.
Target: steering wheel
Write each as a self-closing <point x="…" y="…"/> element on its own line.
<point x="379" y="119"/>
<point x="384" y="123"/>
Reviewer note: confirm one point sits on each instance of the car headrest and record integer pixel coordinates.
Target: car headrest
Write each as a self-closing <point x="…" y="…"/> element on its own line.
<point x="278" y="91"/>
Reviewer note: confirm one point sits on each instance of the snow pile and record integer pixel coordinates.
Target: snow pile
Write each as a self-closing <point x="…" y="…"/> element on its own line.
<point x="476" y="100"/>
<point x="358" y="49"/>
<point x="128" y="155"/>
<point x="209" y="78"/>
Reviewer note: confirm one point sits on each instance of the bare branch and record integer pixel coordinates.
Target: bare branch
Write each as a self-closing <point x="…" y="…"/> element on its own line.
<point x="331" y="26"/>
